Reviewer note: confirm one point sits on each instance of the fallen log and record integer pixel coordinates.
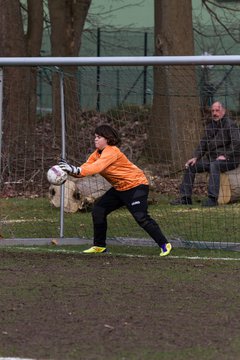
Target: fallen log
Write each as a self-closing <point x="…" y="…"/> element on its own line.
<point x="229" y="191"/>
<point x="69" y="189"/>
<point x="79" y="193"/>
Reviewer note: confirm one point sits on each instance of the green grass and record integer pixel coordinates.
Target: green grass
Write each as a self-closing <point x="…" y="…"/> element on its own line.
<point x="29" y="218"/>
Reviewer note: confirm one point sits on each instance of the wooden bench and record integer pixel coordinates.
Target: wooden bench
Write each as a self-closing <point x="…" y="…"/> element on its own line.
<point x="229" y="191"/>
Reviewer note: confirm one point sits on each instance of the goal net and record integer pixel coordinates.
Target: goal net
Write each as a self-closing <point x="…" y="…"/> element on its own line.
<point x="160" y="112"/>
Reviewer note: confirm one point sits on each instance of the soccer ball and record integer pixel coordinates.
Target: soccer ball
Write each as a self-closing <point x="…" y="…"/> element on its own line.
<point x="56" y="175"/>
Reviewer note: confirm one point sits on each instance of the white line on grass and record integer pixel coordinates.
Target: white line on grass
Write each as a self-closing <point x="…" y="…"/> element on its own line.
<point x="13" y="358"/>
<point x="64" y="251"/>
<point x="203" y="258"/>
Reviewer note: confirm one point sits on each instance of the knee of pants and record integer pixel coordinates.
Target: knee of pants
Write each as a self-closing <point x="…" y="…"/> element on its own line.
<point x="213" y="163"/>
<point x="98" y="215"/>
<point x="142" y="218"/>
<point x="214" y="167"/>
<point x="190" y="170"/>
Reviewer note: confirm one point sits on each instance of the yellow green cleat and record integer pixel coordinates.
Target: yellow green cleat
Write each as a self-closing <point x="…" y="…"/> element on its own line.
<point x="95" y="250"/>
<point x="165" y="249"/>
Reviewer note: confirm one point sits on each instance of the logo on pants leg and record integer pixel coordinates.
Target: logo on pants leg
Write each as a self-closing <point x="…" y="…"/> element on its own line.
<point x="135" y="203"/>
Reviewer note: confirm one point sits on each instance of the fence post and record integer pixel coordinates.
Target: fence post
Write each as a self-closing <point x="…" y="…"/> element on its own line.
<point x="98" y="68"/>
<point x="145" y="70"/>
<point x="118" y="87"/>
<point x="63" y="145"/>
<point x="1" y="119"/>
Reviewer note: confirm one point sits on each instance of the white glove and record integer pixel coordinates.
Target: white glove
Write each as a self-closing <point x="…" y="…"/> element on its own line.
<point x="70" y="169"/>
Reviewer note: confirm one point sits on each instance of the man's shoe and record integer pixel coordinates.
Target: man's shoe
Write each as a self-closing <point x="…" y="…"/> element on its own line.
<point x="209" y="202"/>
<point x="95" y="250"/>
<point x="165" y="249"/>
<point x="182" y="201"/>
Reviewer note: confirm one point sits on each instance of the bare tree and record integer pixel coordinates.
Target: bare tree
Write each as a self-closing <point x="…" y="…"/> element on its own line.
<point x="21" y="31"/>
<point x="175" y="112"/>
<point x="175" y="116"/>
<point x="217" y="32"/>
<point x="20" y="95"/>
<point x="67" y="20"/>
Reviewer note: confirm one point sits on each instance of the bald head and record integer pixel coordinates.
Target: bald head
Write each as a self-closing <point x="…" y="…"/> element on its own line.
<point x="217" y="110"/>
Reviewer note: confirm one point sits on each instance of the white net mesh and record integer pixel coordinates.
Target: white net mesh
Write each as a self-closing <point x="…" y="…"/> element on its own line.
<point x="160" y="122"/>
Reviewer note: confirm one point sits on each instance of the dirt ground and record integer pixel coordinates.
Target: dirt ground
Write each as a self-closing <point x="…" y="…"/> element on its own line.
<point x="59" y="306"/>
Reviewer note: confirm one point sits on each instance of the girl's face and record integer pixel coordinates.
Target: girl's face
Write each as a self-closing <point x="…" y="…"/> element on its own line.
<point x="100" y="142"/>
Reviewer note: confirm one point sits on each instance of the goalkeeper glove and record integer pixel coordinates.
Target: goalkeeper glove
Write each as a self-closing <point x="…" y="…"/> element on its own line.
<point x="70" y="169"/>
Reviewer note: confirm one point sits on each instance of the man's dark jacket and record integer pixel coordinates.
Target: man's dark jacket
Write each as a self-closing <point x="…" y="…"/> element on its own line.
<point x="222" y="137"/>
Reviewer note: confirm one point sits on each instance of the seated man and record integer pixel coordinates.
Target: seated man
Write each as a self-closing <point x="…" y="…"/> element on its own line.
<point x="218" y="151"/>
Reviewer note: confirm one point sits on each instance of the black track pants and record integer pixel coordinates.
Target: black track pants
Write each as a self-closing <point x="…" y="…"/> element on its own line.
<point x="136" y="202"/>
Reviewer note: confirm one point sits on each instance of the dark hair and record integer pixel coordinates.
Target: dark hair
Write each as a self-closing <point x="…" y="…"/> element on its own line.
<point x="108" y="133"/>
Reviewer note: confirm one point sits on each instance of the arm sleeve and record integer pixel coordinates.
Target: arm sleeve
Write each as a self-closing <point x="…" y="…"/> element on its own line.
<point x="201" y="148"/>
<point x="90" y="160"/>
<point x="234" y="147"/>
<point x="97" y="165"/>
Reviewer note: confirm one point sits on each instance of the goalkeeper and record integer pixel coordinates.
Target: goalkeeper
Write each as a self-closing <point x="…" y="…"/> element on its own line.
<point x="129" y="187"/>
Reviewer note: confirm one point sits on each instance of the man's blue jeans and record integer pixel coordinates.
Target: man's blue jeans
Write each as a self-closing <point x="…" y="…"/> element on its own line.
<point x="214" y="168"/>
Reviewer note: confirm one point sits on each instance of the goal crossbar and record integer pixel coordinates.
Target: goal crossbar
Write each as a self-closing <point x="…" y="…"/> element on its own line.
<point x="122" y="60"/>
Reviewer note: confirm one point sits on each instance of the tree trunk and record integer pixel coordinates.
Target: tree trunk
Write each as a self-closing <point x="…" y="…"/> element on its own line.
<point x="67" y="21"/>
<point x="175" y="121"/>
<point x="19" y="90"/>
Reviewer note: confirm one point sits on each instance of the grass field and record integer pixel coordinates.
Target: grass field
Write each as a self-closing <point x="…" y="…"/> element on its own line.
<point x="26" y="217"/>
<point x="56" y="303"/>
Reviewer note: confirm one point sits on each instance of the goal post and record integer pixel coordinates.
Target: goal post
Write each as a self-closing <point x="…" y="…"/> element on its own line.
<point x="158" y="134"/>
<point x="1" y="119"/>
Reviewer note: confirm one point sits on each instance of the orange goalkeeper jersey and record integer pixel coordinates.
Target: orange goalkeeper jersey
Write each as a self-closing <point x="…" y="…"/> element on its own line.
<point x="115" y="167"/>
